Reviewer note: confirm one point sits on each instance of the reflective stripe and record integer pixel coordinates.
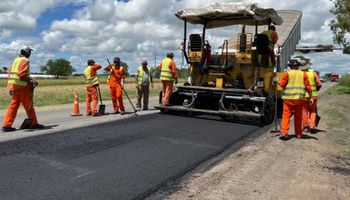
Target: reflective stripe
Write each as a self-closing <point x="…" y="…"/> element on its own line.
<point x="13" y="77"/>
<point x="166" y="74"/>
<point x="310" y="75"/>
<point x="90" y="80"/>
<point x="295" y="88"/>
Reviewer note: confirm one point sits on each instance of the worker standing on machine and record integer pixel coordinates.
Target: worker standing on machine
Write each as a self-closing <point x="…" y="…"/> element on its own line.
<point x="294" y="83"/>
<point x="168" y="75"/>
<point x="310" y="110"/>
<point x="273" y="37"/>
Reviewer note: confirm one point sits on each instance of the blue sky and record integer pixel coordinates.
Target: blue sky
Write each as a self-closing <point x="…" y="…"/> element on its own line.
<point x="78" y="30"/>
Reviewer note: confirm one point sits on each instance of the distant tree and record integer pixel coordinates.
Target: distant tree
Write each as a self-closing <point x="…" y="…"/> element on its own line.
<point x="59" y="67"/>
<point x="327" y="76"/>
<point x="340" y="26"/>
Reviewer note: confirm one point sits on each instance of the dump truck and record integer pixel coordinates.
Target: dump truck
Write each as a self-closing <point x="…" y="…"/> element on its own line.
<point x="234" y="81"/>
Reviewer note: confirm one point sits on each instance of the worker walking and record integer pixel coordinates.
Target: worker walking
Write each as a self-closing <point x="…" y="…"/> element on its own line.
<point x="92" y="82"/>
<point x="309" y="110"/>
<point x="21" y="88"/>
<point x="273" y="37"/>
<point x="294" y="83"/>
<point x="143" y="81"/>
<point x="116" y="84"/>
<point x="168" y="75"/>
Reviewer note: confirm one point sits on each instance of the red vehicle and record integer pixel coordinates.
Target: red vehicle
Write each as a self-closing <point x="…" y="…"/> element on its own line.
<point x="334" y="77"/>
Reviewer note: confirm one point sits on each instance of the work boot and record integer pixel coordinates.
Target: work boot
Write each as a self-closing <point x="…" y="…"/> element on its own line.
<point x="284" y="137"/>
<point x="8" y="129"/>
<point x="37" y="126"/>
<point x="299" y="136"/>
<point x="145" y="108"/>
<point x="96" y="115"/>
<point x="306" y="129"/>
<point x="88" y="114"/>
<point x="122" y="112"/>
<point x="116" y="112"/>
<point x="313" y="130"/>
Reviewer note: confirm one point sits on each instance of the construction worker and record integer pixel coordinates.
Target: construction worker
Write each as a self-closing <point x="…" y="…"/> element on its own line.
<point x="273" y="37"/>
<point x="21" y="88"/>
<point x="294" y="83"/>
<point x="168" y="75"/>
<point x="309" y="110"/>
<point x="116" y="84"/>
<point x="143" y="80"/>
<point x="92" y="82"/>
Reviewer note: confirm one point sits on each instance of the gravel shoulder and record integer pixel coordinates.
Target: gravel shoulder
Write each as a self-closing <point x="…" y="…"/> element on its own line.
<point x="268" y="168"/>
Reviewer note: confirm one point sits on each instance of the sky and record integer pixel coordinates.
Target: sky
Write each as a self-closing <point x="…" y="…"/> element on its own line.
<point x="78" y="30"/>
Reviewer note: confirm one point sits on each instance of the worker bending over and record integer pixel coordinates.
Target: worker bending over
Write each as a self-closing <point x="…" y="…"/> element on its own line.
<point x="92" y="82"/>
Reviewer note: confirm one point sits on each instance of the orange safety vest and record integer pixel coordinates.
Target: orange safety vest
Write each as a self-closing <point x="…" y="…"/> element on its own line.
<point x="13" y="77"/>
<point x="165" y="73"/>
<point x="295" y="88"/>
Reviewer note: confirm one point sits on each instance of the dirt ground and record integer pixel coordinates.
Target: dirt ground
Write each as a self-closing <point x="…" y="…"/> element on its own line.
<point x="267" y="168"/>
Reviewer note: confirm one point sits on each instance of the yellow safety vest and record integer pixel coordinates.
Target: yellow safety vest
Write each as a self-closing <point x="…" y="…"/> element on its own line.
<point x="90" y="80"/>
<point x="140" y="73"/>
<point x="295" y="88"/>
<point x="165" y="73"/>
<point x="13" y="77"/>
<point x="268" y="33"/>
<point x="310" y="74"/>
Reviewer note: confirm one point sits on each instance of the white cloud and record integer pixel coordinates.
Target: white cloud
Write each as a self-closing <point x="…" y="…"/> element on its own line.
<point x="135" y="29"/>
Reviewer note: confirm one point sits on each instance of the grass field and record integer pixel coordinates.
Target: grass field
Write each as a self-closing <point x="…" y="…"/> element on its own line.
<point x="337" y="116"/>
<point x="61" y="91"/>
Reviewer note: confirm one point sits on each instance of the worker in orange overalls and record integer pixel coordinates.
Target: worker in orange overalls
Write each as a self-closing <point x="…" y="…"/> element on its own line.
<point x="116" y="84"/>
<point x="294" y="83"/>
<point x="309" y="110"/>
<point x="92" y="82"/>
<point x="21" y="88"/>
<point x="168" y="75"/>
<point x="273" y="37"/>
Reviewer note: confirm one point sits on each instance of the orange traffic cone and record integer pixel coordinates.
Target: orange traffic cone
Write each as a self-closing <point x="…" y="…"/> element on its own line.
<point x="76" y="106"/>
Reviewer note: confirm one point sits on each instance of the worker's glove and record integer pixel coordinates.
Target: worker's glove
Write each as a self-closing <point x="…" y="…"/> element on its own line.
<point x="34" y="83"/>
<point x="275" y="79"/>
<point x="311" y="101"/>
<point x="175" y="81"/>
<point x="11" y="93"/>
<point x="318" y="88"/>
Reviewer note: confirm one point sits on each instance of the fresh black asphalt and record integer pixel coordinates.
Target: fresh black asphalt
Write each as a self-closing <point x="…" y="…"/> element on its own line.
<point x="122" y="159"/>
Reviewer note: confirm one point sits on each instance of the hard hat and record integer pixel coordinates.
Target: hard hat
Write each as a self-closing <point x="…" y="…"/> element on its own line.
<point x="170" y="55"/>
<point x="90" y="62"/>
<point x="116" y="59"/>
<point x="294" y="63"/>
<point x="26" y="51"/>
<point x="144" y="62"/>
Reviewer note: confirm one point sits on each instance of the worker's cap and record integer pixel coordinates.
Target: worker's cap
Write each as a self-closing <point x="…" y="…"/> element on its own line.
<point x="144" y="62"/>
<point x="116" y="59"/>
<point x="90" y="62"/>
<point x="170" y="55"/>
<point x="294" y="63"/>
<point x="26" y="50"/>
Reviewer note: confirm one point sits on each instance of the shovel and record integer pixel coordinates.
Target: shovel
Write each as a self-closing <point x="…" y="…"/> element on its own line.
<point x="101" y="107"/>
<point x="318" y="118"/>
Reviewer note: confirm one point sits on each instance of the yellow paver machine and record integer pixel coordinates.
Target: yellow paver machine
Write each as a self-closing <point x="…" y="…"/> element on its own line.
<point x="235" y="81"/>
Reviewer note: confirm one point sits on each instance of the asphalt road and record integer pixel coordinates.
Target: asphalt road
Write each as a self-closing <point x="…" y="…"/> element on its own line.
<point x="125" y="158"/>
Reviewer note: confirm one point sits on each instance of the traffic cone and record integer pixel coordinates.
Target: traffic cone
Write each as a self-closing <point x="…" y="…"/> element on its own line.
<point x="76" y="106"/>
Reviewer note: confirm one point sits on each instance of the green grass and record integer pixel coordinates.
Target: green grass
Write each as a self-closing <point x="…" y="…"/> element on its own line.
<point x="342" y="88"/>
